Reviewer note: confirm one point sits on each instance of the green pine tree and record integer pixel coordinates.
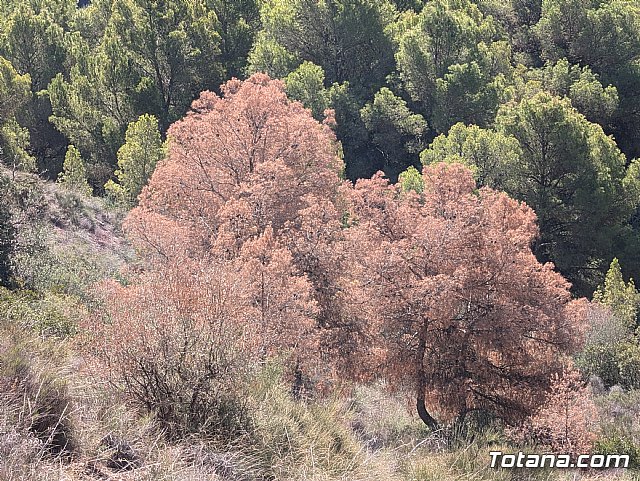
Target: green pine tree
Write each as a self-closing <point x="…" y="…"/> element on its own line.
<point x="137" y="159"/>
<point x="74" y="174"/>
<point x="621" y="297"/>
<point x="411" y="179"/>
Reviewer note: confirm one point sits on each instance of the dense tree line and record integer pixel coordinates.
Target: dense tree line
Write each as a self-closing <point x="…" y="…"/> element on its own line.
<point x="538" y="97"/>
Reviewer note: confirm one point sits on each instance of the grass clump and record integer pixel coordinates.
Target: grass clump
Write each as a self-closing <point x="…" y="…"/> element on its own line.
<point x="34" y="391"/>
<point x="294" y="439"/>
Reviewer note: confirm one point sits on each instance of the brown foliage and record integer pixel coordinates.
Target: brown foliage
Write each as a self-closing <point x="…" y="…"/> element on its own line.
<point x="567" y="421"/>
<point x="237" y="226"/>
<point x="241" y="165"/>
<point x="182" y="339"/>
<point x="467" y="317"/>
<point x="236" y="164"/>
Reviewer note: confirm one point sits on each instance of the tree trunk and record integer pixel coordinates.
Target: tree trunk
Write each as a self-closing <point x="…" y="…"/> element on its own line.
<point x="424" y="414"/>
<point x="421" y="385"/>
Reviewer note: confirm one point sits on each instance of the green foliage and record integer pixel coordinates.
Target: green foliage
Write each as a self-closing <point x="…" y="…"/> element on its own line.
<point x="621" y="297"/>
<point x="411" y="180"/>
<point x="33" y="40"/>
<point x="596" y="102"/>
<point x="448" y="52"/>
<point x="471" y="92"/>
<point x="614" y="363"/>
<point x="575" y="178"/>
<point x="516" y="20"/>
<point x="612" y="351"/>
<point x="602" y="360"/>
<point x="150" y="57"/>
<point x="306" y="84"/>
<point x="60" y="10"/>
<point x="619" y="431"/>
<point x="7" y="237"/>
<point x="93" y="107"/>
<point x="459" y="25"/>
<point x="605" y="35"/>
<point x="239" y="22"/>
<point x="396" y="132"/>
<point x="34" y="44"/>
<point x="345" y="37"/>
<point x="614" y="443"/>
<point x="48" y="314"/>
<point x="137" y="159"/>
<point x="547" y="154"/>
<point x="268" y="56"/>
<point x="173" y="48"/>
<point x="579" y="84"/>
<point x="629" y="365"/>
<point x="14" y="139"/>
<point x="352" y="132"/>
<point x="74" y="175"/>
<point x="488" y="153"/>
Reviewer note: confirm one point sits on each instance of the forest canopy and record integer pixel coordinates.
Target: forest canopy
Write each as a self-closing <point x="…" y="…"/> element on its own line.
<point x="399" y="77"/>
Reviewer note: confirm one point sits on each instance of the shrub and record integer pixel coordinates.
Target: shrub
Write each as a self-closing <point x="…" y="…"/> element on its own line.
<point x="49" y="314"/>
<point x="176" y="345"/>
<point x="612" y="350"/>
<point x="7" y="243"/>
<point x="619" y="413"/>
<point x="566" y="423"/>
<point x="618" y="443"/>
<point x="629" y="365"/>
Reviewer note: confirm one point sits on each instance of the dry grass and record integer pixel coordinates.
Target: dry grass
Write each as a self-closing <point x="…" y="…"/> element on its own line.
<point x="382" y="419"/>
<point x="291" y="441"/>
<point x="369" y="436"/>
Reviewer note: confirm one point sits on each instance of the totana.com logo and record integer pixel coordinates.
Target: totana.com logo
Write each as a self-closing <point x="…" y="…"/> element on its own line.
<point x="523" y="460"/>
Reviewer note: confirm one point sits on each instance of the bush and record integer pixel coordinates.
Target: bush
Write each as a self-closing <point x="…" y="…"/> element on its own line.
<point x="629" y="365"/>
<point x="49" y="315"/>
<point x="7" y="244"/>
<point x="615" y="364"/>
<point x="171" y="343"/>
<point x="619" y="413"/>
<point x="601" y="360"/>
<point x="65" y="267"/>
<point x="567" y="422"/>
<point x="618" y="443"/>
<point x="601" y="354"/>
<point x="612" y="349"/>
